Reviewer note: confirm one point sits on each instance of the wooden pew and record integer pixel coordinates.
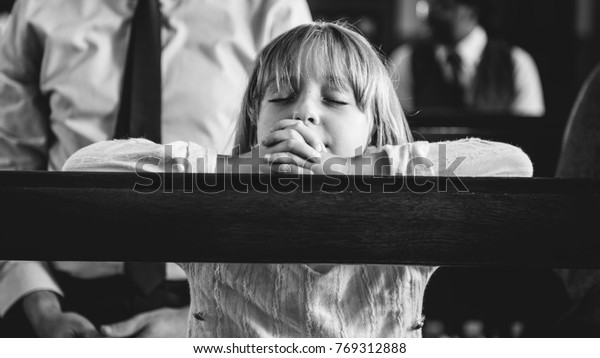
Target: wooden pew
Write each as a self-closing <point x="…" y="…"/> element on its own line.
<point x="254" y="218"/>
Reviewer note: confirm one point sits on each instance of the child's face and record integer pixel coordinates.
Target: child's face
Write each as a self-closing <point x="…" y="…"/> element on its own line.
<point x="330" y="111"/>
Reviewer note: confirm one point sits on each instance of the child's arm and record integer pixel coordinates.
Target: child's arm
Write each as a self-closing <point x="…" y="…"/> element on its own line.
<point x="465" y="158"/>
<point x="133" y="155"/>
<point x="462" y="158"/>
<point x="141" y="155"/>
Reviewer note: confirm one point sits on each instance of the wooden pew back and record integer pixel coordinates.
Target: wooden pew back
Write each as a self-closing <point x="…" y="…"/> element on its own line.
<point x="260" y="219"/>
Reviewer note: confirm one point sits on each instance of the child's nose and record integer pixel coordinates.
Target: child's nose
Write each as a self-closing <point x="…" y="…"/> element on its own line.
<point x="308" y="118"/>
<point x="307" y="113"/>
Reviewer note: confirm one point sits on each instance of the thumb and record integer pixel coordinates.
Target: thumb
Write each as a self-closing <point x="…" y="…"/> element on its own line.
<point x="123" y="329"/>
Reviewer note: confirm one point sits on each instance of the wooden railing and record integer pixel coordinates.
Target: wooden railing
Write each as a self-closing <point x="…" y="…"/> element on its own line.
<point x="252" y="218"/>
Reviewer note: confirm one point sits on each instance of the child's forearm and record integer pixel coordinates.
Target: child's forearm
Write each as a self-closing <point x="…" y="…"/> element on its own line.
<point x="244" y="164"/>
<point x="368" y="164"/>
<point x="226" y="163"/>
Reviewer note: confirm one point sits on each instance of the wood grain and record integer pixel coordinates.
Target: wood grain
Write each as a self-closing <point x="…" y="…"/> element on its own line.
<point x="220" y="218"/>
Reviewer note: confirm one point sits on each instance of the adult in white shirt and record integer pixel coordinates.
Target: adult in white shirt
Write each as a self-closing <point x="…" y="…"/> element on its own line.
<point x="461" y="67"/>
<point x="61" y="70"/>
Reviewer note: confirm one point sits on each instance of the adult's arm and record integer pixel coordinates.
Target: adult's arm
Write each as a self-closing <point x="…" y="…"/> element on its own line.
<point x="23" y="136"/>
<point x="19" y="279"/>
<point x="401" y="60"/>
<point x="279" y="16"/>
<point x="529" y="100"/>
<point x="24" y="118"/>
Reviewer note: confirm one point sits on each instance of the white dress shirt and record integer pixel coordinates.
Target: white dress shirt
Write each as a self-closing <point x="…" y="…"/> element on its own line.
<point x="529" y="99"/>
<point x="61" y="67"/>
<point x="296" y="300"/>
<point x="62" y="62"/>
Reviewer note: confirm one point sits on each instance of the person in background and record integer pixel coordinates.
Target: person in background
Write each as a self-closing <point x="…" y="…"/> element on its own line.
<point x="62" y="76"/>
<point x="461" y="68"/>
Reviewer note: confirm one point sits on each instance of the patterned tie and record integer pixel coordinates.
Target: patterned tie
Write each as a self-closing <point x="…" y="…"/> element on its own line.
<point x="140" y="109"/>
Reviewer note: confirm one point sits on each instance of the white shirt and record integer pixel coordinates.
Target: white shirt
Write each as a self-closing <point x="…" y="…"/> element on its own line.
<point x="62" y="62"/>
<point x="296" y="300"/>
<point x="61" y="66"/>
<point x="529" y="99"/>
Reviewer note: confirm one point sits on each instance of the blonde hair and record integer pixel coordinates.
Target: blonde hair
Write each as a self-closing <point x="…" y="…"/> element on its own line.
<point x="344" y="56"/>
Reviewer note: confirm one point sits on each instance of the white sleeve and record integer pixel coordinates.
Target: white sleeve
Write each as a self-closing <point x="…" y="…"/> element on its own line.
<point x="402" y="76"/>
<point x="143" y="155"/>
<point x="23" y="114"/>
<point x="529" y="99"/>
<point x="462" y="158"/>
<point x="20" y="278"/>
<point x="280" y="16"/>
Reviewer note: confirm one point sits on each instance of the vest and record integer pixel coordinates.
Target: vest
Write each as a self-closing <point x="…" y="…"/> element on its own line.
<point x="494" y="87"/>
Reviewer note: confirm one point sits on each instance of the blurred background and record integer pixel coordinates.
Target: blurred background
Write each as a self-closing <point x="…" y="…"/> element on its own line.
<point x="562" y="36"/>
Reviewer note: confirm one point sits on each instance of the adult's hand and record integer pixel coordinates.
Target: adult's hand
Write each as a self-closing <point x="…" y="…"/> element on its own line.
<point x="43" y="310"/>
<point x="160" y="323"/>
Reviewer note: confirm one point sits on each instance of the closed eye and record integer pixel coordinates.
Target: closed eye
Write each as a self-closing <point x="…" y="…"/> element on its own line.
<point x="281" y="99"/>
<point x="336" y="102"/>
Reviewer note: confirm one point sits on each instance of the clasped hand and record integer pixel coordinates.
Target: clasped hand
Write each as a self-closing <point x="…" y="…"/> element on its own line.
<point x="292" y="147"/>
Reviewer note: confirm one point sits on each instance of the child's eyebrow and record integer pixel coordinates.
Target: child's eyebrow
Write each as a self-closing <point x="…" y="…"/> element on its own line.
<point x="332" y="82"/>
<point x="337" y="83"/>
<point x="280" y="83"/>
<point x="274" y="87"/>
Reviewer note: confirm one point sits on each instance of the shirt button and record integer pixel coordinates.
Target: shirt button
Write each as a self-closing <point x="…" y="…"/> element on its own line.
<point x="419" y="324"/>
<point x="200" y="316"/>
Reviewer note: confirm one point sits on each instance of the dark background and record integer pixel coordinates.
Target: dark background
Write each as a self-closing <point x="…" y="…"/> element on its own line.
<point x="561" y="35"/>
<point x="548" y="29"/>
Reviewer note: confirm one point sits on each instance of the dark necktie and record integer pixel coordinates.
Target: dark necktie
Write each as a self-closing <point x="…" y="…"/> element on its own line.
<point x="141" y="95"/>
<point x="455" y="62"/>
<point x="140" y="109"/>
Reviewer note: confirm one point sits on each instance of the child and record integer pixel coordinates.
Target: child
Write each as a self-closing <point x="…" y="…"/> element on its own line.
<point x="317" y="91"/>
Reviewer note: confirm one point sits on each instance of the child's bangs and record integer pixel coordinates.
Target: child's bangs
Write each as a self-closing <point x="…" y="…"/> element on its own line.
<point x="322" y="52"/>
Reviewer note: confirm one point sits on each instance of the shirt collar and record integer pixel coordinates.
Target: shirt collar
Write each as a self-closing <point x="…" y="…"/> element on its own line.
<point x="166" y="5"/>
<point x="469" y="49"/>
